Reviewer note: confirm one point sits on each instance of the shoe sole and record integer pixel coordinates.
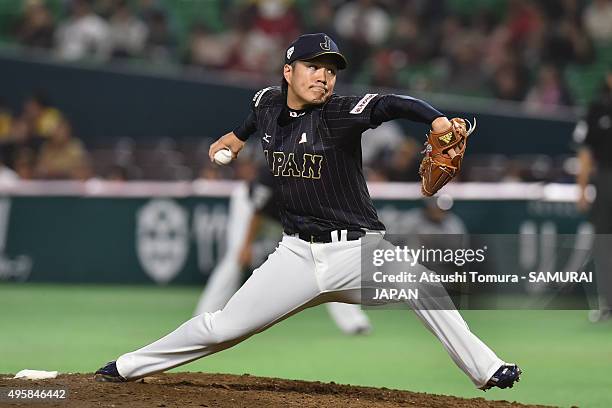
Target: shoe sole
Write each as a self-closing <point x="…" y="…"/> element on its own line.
<point x="518" y="379"/>
<point x="108" y="378"/>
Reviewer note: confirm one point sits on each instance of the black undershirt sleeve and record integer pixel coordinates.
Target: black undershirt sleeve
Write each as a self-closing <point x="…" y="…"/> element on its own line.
<point x="247" y="128"/>
<point x="391" y="107"/>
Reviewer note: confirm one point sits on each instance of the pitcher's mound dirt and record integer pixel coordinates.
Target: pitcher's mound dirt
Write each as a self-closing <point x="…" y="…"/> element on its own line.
<point x="231" y="391"/>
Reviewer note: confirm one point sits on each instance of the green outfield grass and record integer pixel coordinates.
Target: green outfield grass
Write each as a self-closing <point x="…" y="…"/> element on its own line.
<point x="566" y="360"/>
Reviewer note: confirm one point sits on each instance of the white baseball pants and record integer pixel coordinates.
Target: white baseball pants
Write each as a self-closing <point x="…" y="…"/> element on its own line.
<point x="296" y="276"/>
<point x="225" y="279"/>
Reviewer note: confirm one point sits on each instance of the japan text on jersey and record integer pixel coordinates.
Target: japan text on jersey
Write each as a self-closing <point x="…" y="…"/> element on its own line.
<point x="314" y="156"/>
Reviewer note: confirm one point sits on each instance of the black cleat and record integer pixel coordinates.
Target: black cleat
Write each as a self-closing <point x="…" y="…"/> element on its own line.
<point x="109" y="373"/>
<point x="504" y="377"/>
<point x="362" y="331"/>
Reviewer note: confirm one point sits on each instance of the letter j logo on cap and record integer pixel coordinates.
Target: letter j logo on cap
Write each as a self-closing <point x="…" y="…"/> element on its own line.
<point x="327" y="44"/>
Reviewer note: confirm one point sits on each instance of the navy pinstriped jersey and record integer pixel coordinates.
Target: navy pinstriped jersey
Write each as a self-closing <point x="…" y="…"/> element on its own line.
<point x="315" y="158"/>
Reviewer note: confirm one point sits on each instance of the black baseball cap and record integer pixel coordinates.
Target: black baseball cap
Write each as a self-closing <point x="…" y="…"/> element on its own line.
<point x="309" y="46"/>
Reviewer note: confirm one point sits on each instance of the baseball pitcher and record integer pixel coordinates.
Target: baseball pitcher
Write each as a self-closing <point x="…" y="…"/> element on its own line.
<point x="311" y="140"/>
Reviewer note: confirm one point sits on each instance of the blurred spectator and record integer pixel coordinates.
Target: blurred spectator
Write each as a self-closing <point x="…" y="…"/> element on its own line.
<point x="465" y="73"/>
<point x="565" y="42"/>
<point x="450" y="32"/>
<point x="35" y="27"/>
<point x="6" y="121"/>
<point x="62" y="156"/>
<point x="210" y="172"/>
<point x="258" y="53"/>
<point x="105" y="8"/>
<point x="408" y="38"/>
<point x="548" y="92"/>
<point x="462" y="50"/>
<point x="83" y="172"/>
<point x="323" y="19"/>
<point x="118" y="172"/>
<point x="363" y="21"/>
<point x="83" y="34"/>
<point x="510" y="83"/>
<point x="510" y="76"/>
<point x="385" y="65"/>
<point x="15" y="134"/>
<point x="563" y="9"/>
<point x="245" y="169"/>
<point x="514" y="172"/>
<point x="147" y="9"/>
<point x="127" y="32"/>
<point x="161" y="42"/>
<point x="522" y="33"/>
<point x="20" y="132"/>
<point x="6" y="147"/>
<point x="524" y="18"/>
<point x="18" y="137"/>
<point x="362" y="25"/>
<point x="24" y="163"/>
<point x="208" y="49"/>
<point x="430" y="11"/>
<point x="40" y="117"/>
<point x="277" y="18"/>
<point x="598" y="20"/>
<point x="264" y="32"/>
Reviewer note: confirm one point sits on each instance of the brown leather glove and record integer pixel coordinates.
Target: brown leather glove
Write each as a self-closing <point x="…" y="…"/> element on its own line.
<point x="444" y="155"/>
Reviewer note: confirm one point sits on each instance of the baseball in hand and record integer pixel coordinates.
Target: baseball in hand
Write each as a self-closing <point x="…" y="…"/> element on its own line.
<point x="223" y="157"/>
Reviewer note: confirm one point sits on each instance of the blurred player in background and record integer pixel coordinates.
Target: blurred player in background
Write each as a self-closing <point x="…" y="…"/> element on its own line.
<point x="250" y="207"/>
<point x="594" y="134"/>
<point x="434" y="217"/>
<point x="435" y="226"/>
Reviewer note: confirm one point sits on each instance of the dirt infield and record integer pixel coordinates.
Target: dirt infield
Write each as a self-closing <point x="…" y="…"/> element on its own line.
<point x="220" y="390"/>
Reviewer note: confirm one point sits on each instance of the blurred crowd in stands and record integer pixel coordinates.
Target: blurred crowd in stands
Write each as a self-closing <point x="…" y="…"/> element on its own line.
<point x="519" y="50"/>
<point x="38" y="143"/>
<point x="540" y="53"/>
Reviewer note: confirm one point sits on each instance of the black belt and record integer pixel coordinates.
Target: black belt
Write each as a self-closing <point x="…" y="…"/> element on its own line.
<point x="331" y="236"/>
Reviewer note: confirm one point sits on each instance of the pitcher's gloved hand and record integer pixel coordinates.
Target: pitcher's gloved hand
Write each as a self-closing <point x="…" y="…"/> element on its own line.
<point x="443" y="155"/>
